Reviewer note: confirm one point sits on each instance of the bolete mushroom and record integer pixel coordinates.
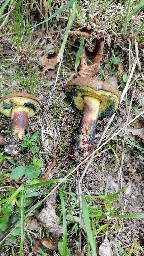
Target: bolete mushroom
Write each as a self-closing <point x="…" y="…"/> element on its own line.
<point x="97" y="99"/>
<point x="19" y="107"/>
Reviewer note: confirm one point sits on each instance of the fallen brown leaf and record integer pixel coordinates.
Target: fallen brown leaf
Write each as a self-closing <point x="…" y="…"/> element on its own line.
<point x="33" y="224"/>
<point x="136" y="132"/>
<point x="105" y="248"/>
<point x="49" y="243"/>
<point x="37" y="243"/>
<point x="49" y="218"/>
<point x="90" y="60"/>
<point x="48" y="64"/>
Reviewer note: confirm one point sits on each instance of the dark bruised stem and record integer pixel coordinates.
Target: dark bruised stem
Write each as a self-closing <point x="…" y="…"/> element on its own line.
<point x="19" y="121"/>
<point x="87" y="129"/>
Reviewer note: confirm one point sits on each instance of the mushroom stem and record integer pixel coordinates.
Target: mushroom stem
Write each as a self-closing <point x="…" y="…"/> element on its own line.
<point x="19" y="120"/>
<point x="87" y="129"/>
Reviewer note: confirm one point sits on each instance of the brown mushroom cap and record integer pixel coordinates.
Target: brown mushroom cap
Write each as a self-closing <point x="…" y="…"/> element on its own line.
<point x="19" y="99"/>
<point x="106" y="93"/>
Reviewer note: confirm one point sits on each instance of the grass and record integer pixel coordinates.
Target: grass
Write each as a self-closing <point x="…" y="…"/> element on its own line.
<point x="86" y="216"/>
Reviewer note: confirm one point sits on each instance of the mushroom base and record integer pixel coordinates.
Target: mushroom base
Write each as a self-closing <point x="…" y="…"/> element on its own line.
<point x="87" y="129"/>
<point x="19" y="122"/>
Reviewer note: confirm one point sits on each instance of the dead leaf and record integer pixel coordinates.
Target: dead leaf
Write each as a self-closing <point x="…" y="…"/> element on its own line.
<point x="113" y="80"/>
<point x="49" y="218"/>
<point x="91" y="58"/>
<point x="127" y="191"/>
<point x="33" y="224"/>
<point x="105" y="248"/>
<point x="49" y="243"/>
<point x="137" y="132"/>
<point x="48" y="64"/>
<point x="37" y="243"/>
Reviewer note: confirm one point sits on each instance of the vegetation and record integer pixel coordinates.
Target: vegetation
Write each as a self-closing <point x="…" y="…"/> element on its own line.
<point x="76" y="200"/>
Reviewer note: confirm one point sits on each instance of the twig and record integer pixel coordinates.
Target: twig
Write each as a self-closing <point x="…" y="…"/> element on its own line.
<point x="129" y="80"/>
<point x="137" y="55"/>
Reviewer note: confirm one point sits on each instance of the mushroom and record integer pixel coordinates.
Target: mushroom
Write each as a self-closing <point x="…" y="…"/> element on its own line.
<point x="19" y="107"/>
<point x="97" y="99"/>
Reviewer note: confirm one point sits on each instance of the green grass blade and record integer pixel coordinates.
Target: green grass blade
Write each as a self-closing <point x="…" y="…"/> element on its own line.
<point x="64" y="224"/>
<point x="130" y="216"/>
<point x="69" y="25"/>
<point x="88" y="226"/>
<point x="79" y="53"/>
<point x="50" y="7"/>
<point x="11" y="198"/>
<point x="121" y="250"/>
<point x="4" y="5"/>
<point x="59" y="11"/>
<point x="127" y="15"/>
<point x="137" y="9"/>
<point x="42" y="184"/>
<point x="22" y="222"/>
<point x="131" y="142"/>
<point x="139" y="29"/>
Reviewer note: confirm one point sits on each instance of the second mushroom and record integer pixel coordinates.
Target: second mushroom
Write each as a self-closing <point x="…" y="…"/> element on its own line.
<point x="19" y="107"/>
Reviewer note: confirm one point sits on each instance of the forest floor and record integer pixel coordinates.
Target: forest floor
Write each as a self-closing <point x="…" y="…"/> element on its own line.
<point x="56" y="200"/>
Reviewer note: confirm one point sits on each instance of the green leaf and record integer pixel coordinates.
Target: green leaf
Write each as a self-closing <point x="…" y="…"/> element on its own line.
<point x="17" y="173"/>
<point x="31" y="172"/>
<point x="2" y="157"/>
<point x="34" y="149"/>
<point x="16" y="231"/>
<point x="37" y="162"/>
<point x="34" y="137"/>
<point x="4" y="220"/>
<point x="88" y="226"/>
<point x="115" y="60"/>
<point x="32" y="194"/>
<point x="125" y="78"/>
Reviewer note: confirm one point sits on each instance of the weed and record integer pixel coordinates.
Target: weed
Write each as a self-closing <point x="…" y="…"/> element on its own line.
<point x="31" y="171"/>
<point x="28" y="80"/>
<point x="30" y="143"/>
<point x="132" y="10"/>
